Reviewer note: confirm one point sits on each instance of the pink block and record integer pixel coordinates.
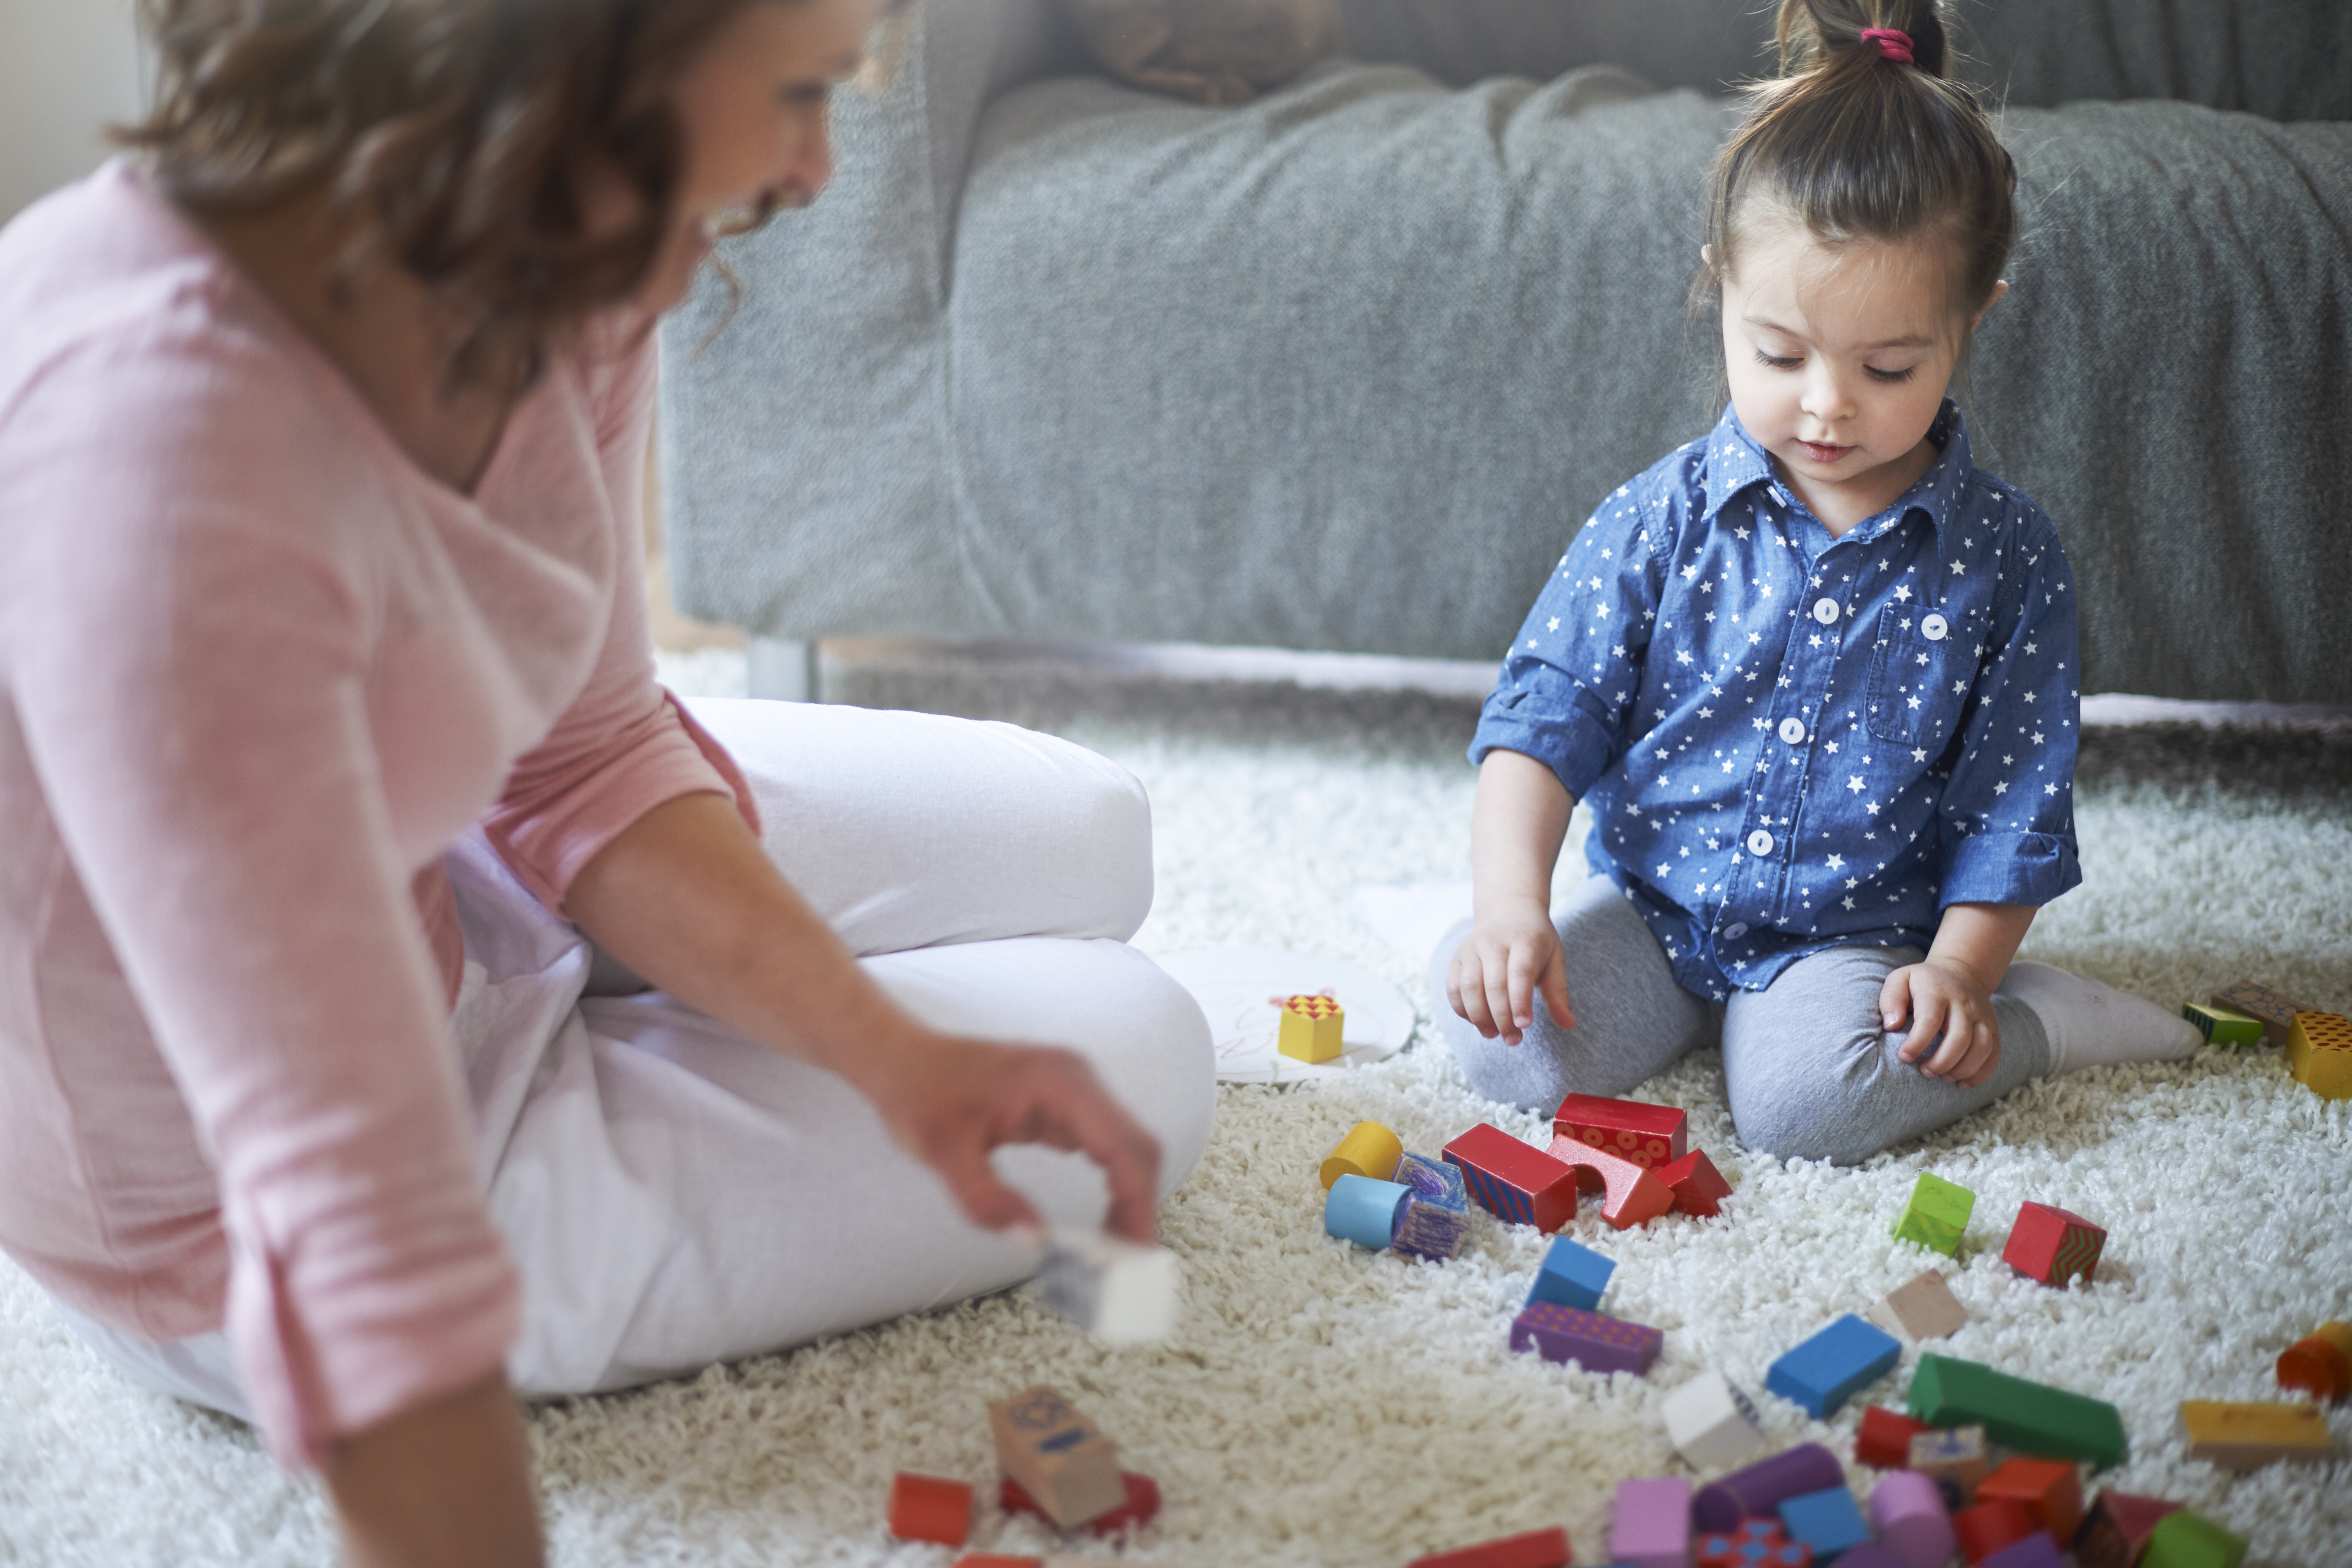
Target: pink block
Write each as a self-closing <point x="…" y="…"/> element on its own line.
<point x="1907" y="1510"/>
<point x="1651" y="1525"/>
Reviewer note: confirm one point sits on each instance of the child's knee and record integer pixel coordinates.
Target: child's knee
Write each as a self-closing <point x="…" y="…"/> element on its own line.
<point x="1820" y="1106"/>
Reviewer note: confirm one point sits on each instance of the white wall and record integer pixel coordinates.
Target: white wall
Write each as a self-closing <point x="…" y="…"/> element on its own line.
<point x="68" y="68"/>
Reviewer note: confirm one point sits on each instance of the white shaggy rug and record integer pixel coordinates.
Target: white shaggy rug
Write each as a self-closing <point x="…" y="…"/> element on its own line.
<point x="1325" y="1405"/>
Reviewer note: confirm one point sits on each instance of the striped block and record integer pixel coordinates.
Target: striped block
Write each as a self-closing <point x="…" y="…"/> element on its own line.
<point x="2224" y="1026"/>
<point x="1513" y="1181"/>
<point x="2052" y="1245"/>
<point x="1594" y="1342"/>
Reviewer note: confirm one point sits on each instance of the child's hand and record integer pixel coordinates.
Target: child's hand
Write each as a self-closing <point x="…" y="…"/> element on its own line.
<point x="1500" y="966"/>
<point x="1941" y="997"/>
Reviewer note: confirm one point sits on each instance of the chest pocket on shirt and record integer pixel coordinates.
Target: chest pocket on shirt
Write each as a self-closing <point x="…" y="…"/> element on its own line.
<point x="1921" y="671"/>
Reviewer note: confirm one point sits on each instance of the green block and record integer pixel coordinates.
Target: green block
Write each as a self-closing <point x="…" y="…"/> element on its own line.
<point x="1937" y="1215"/>
<point x="2224" y="1026"/>
<point x="2184" y="1540"/>
<point x="2030" y="1417"/>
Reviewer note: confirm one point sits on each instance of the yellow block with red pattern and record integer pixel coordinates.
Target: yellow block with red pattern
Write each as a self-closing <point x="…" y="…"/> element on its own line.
<point x="2319" y="1053"/>
<point x="1311" y="1029"/>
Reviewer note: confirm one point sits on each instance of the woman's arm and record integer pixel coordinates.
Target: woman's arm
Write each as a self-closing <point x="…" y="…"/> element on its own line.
<point x="1518" y="820"/>
<point x="446" y="1484"/>
<point x="687" y="898"/>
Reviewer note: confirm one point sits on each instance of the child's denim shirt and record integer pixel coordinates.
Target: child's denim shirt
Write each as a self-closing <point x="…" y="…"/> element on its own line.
<point x="1790" y="742"/>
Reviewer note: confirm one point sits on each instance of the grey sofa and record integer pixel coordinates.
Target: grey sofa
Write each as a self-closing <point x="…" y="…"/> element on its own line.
<point x="1342" y="369"/>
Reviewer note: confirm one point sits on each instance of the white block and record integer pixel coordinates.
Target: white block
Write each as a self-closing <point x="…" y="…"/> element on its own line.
<point x="1121" y="1293"/>
<point x="1711" y="1423"/>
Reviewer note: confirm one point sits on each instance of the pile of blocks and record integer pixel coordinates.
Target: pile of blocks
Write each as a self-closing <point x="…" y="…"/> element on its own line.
<point x="2319" y="1044"/>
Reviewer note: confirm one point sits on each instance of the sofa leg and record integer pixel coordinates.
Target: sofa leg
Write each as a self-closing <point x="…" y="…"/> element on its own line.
<point x="785" y="670"/>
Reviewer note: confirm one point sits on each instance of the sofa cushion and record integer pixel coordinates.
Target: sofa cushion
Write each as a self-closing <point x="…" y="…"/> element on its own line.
<point x="1210" y="51"/>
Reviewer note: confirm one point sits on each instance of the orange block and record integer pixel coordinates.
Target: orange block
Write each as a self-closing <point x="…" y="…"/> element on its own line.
<point x="2053" y="1489"/>
<point x="929" y="1507"/>
<point x="2320" y="1364"/>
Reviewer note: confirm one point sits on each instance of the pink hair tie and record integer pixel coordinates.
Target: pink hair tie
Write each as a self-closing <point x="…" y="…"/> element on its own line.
<point x="1893" y="43"/>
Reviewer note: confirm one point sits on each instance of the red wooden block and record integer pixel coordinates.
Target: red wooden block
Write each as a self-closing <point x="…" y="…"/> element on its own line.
<point x="997" y="1560"/>
<point x="1756" y="1544"/>
<point x="1516" y="1182"/>
<point x="1143" y="1504"/>
<point x="1636" y="1197"/>
<point x="1988" y="1527"/>
<point x="2053" y="1489"/>
<point x="1885" y="1439"/>
<point x="1698" y="1187"/>
<point x="2115" y="1531"/>
<point x="2052" y="1245"/>
<point x="1535" y="1549"/>
<point x="2320" y="1364"/>
<point x="929" y="1507"/>
<point x="1649" y="1136"/>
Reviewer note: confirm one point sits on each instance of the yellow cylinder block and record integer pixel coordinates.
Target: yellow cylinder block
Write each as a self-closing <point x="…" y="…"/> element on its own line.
<point x="1368" y="1149"/>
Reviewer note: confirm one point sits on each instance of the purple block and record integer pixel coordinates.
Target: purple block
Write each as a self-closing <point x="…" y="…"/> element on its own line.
<point x="2036" y="1551"/>
<point x="1907" y="1510"/>
<point x="1761" y="1489"/>
<point x="1432" y="1179"/>
<point x="1869" y="1556"/>
<point x="1432" y="1228"/>
<point x="1651" y="1527"/>
<point x="1594" y="1342"/>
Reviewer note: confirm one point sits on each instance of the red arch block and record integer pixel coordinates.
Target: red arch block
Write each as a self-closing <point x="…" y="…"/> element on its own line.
<point x="1636" y="1197"/>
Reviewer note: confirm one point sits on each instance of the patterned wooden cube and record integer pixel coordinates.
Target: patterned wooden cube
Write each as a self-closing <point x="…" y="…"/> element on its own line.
<point x="2275" y="1010"/>
<point x="1515" y="1182"/>
<point x="1594" y="1342"/>
<point x="1432" y="1178"/>
<point x="1649" y="1136"/>
<point x="2319" y="1053"/>
<point x="1311" y="1029"/>
<point x="1057" y="1456"/>
<point x="1955" y="1460"/>
<point x="1937" y="1215"/>
<point x="1754" y="1544"/>
<point x="1431" y="1228"/>
<point x="2114" y="1533"/>
<point x="2224" y="1026"/>
<point x="2052" y="1245"/>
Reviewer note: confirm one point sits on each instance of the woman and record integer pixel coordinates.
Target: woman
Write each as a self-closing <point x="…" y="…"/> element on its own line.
<point x="339" y="811"/>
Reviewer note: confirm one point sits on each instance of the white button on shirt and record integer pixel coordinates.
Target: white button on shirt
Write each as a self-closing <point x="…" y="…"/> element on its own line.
<point x="1825" y="610"/>
<point x="1934" y="627"/>
<point x="1759" y="844"/>
<point x="1736" y="929"/>
<point x="1793" y="731"/>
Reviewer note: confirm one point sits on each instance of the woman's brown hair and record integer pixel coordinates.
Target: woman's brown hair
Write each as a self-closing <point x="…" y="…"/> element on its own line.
<point x="452" y="135"/>
<point x="1855" y="143"/>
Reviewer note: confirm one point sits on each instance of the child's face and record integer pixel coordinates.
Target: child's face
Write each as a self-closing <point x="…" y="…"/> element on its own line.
<point x="1839" y="357"/>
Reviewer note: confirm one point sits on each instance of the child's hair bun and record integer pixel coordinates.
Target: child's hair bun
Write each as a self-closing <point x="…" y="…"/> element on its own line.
<point x="1821" y="32"/>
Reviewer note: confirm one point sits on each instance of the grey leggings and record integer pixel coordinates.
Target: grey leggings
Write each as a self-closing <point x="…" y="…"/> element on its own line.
<point x="1809" y="1071"/>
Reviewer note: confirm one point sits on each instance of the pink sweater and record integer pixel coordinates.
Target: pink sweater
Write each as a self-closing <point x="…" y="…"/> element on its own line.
<point x="258" y="671"/>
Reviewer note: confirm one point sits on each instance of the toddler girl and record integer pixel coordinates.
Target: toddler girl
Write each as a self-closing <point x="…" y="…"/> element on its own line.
<point x="1815" y="674"/>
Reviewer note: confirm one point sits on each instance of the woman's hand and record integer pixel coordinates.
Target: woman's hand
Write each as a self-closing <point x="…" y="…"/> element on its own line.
<point x="949" y="1100"/>
<point x="1942" y="998"/>
<point x="1510" y="957"/>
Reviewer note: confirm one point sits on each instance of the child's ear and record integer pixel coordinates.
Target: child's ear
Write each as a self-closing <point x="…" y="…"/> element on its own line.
<point x="2000" y="288"/>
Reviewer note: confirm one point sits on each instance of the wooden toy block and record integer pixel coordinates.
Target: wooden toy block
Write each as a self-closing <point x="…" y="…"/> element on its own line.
<point x="1650" y="1527"/>
<point x="1514" y="1181"/>
<point x="929" y="1507"/>
<point x="1824" y="1370"/>
<point x="2246" y="1436"/>
<point x="1936" y="1216"/>
<point x="1753" y="1544"/>
<point x="2275" y="1010"/>
<point x="1431" y="1228"/>
<point x="2320" y="1364"/>
<point x="1710" y="1423"/>
<point x="1057" y="1456"/>
<point x="2319" y="1053"/>
<point x="2052" y="1245"/>
<point x="1870" y="1555"/>
<point x="2115" y="1531"/>
<point x="1987" y="1527"/>
<point x="1141" y="1507"/>
<point x="1634" y="1196"/>
<point x="1907" y="1510"/>
<point x="1118" y="1291"/>
<point x="997" y="1560"/>
<point x="1365" y="1211"/>
<point x="1592" y="1342"/>
<point x="2036" y="1551"/>
<point x="2223" y="1026"/>
<point x="1755" y="1492"/>
<point x="1368" y="1149"/>
<point x="1921" y="1309"/>
<point x="1646" y="1135"/>
<point x="1535" y="1549"/>
<point x="2051" y="1489"/>
<point x="1311" y="1029"/>
<point x="1571" y="1276"/>
<point x="1698" y="1186"/>
<point x="1955" y="1460"/>
<point x="1827" y="1521"/>
<point x="1884" y="1439"/>
<point x="1432" y="1178"/>
<point x="2030" y="1417"/>
<point x="2186" y="1539"/>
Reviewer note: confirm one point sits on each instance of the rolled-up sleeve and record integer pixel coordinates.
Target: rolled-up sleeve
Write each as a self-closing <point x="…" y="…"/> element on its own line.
<point x="624" y="745"/>
<point x="1568" y="681"/>
<point x="2006" y="816"/>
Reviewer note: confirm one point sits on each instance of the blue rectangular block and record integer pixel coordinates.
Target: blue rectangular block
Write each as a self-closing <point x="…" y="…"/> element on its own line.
<point x="1828" y="1521"/>
<point x="1571" y="1276"/>
<point x="1820" y="1372"/>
